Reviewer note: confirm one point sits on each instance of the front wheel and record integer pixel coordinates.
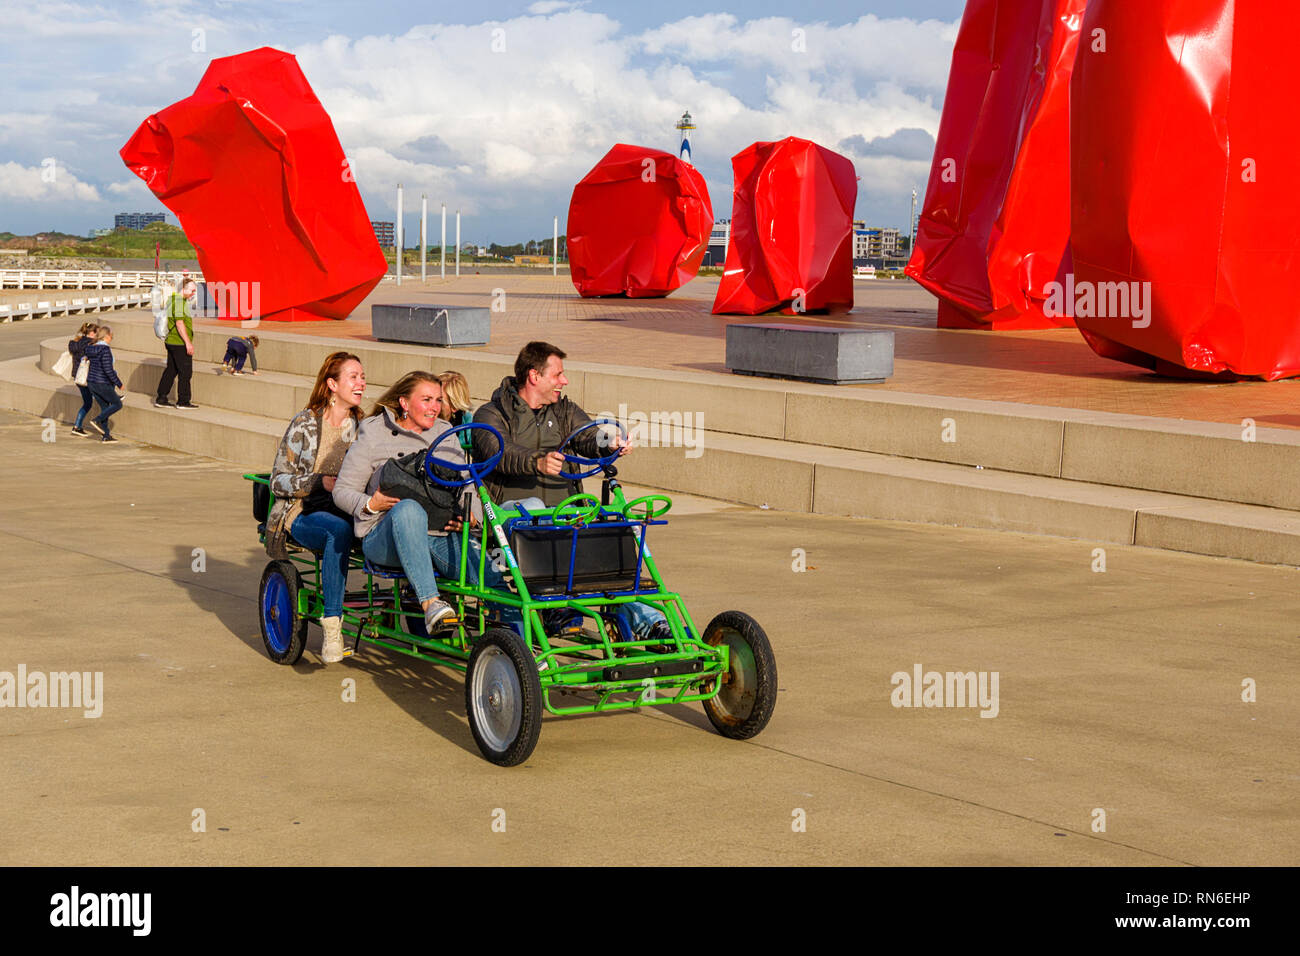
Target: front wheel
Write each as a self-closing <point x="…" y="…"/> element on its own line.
<point x="503" y="697"/>
<point x="745" y="702"/>
<point x="283" y="632"/>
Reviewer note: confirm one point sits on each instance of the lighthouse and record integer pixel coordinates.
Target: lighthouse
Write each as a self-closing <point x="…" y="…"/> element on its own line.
<point x="686" y="126"/>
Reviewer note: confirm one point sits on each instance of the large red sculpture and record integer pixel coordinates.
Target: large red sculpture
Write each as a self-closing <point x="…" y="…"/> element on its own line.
<point x="251" y="166"/>
<point x="791" y="231"/>
<point x="639" y="224"/>
<point x="1184" y="193"/>
<point x="996" y="219"/>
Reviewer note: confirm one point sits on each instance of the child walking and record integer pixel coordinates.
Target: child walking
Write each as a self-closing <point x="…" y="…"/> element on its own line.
<point x="103" y="381"/>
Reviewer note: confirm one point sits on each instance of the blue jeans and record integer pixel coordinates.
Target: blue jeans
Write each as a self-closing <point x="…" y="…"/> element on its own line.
<point x="236" y="354"/>
<point x="109" y="403"/>
<point x="87" y="396"/>
<point x="640" y="617"/>
<point x="332" y="537"/>
<point x="402" y="539"/>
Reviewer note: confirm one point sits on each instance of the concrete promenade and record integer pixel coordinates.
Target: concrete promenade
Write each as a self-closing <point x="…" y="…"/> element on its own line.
<point x="1118" y="692"/>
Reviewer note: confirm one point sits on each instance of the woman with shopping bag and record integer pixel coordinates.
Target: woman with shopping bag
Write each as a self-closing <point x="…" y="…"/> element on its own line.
<point x="75" y="357"/>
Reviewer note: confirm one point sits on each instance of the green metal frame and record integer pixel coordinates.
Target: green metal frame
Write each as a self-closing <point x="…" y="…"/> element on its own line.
<point x="566" y="663"/>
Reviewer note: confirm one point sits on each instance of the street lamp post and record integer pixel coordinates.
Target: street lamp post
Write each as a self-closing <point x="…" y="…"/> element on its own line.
<point x="397" y="235"/>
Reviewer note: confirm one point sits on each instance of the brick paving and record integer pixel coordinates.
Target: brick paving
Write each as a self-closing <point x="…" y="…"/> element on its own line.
<point x="1050" y="367"/>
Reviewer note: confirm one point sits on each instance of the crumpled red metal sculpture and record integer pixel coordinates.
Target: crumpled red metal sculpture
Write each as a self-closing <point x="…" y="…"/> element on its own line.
<point x="791" y="231"/>
<point x="639" y="224"/>
<point x="1184" y="198"/>
<point x="996" y="218"/>
<point x="251" y="166"/>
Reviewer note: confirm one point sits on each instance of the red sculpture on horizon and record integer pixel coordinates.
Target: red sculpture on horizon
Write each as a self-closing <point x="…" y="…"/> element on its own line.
<point x="995" y="224"/>
<point x="639" y="224"/>
<point x="251" y="166"/>
<point x="791" y="242"/>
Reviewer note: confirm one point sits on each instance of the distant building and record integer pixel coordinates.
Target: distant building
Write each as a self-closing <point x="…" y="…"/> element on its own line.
<point x="99" y="233"/>
<point x="137" y="220"/>
<point x="873" y="242"/>
<point x="384" y="233"/>
<point x="716" y="254"/>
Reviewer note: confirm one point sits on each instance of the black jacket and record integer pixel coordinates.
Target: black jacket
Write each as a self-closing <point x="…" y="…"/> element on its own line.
<point x="529" y="434"/>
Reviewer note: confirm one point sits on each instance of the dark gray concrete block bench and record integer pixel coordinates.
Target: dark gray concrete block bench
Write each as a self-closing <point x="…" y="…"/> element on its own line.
<point x="447" y="326"/>
<point x="811" y="353"/>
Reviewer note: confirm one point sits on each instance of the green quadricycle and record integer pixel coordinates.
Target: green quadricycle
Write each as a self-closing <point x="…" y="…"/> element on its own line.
<point x="568" y="573"/>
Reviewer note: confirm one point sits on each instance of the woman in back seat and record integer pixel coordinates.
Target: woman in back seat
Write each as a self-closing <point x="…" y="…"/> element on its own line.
<point x="302" y="480"/>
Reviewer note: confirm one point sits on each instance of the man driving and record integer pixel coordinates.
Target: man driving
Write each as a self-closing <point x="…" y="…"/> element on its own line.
<point x="534" y="419"/>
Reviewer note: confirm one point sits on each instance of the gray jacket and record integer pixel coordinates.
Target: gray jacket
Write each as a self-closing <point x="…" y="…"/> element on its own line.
<point x="378" y="440"/>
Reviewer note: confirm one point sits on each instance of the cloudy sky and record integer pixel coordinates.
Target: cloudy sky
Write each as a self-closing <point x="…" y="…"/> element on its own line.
<point x="418" y="94"/>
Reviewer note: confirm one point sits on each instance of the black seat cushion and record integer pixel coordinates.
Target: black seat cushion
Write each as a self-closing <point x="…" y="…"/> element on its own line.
<point x="606" y="558"/>
<point x="261" y="501"/>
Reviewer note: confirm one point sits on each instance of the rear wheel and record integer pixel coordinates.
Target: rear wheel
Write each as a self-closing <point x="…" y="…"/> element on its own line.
<point x="283" y="632"/>
<point x="745" y="702"/>
<point x="503" y="697"/>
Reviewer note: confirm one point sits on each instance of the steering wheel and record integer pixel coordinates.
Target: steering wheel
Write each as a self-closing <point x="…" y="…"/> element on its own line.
<point x="581" y="514"/>
<point x="649" y="511"/>
<point x="474" y="471"/>
<point x="595" y="465"/>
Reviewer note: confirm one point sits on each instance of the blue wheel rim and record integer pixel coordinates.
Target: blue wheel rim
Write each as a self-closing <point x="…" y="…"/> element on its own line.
<point x="277" y="613"/>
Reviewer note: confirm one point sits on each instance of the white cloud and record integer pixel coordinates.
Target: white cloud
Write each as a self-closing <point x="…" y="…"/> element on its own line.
<point x="489" y="132"/>
<point x="543" y="7"/>
<point x="48" y="182"/>
<point x="534" y="118"/>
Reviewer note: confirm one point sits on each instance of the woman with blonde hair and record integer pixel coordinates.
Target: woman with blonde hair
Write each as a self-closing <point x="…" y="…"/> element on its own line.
<point x="395" y="532"/>
<point x="303" y="478"/>
<point x="455" y="398"/>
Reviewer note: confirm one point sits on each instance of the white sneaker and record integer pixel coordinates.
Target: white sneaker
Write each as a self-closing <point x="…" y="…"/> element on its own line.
<point x="331" y="648"/>
<point x="438" y="613"/>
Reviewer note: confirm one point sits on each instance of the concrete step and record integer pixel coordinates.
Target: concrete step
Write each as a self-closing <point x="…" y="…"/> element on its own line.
<point x="1127" y="479"/>
<point x="248" y="440"/>
<point x="794" y="477"/>
<point x="778" y="474"/>
<point x="1200" y="459"/>
<point x="272" y="394"/>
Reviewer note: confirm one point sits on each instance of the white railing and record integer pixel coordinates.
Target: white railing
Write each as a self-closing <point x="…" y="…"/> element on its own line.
<point x="86" y="279"/>
<point x="11" y="311"/>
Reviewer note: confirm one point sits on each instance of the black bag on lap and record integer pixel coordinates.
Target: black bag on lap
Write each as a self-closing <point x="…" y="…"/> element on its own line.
<point x="405" y="477"/>
<point x="318" y="499"/>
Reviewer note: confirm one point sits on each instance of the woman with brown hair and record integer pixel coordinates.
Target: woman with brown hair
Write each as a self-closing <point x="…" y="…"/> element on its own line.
<point x="77" y="349"/>
<point x="302" y="480"/>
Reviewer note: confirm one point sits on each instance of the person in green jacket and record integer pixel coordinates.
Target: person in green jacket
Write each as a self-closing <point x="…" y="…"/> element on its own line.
<point x="180" y="348"/>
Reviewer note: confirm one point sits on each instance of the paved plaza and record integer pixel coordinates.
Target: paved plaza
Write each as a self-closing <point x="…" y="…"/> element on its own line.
<point x="1119" y="700"/>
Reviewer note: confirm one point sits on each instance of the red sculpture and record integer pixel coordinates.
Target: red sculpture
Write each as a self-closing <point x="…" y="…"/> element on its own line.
<point x="996" y="219"/>
<point x="1184" y="198"/>
<point x="251" y="166"/>
<point x="639" y="224"/>
<point x="791" y="231"/>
